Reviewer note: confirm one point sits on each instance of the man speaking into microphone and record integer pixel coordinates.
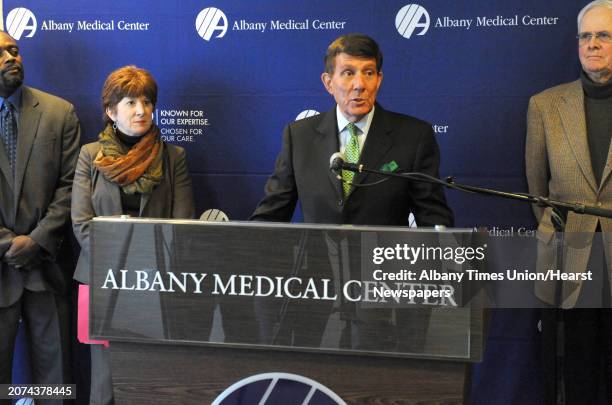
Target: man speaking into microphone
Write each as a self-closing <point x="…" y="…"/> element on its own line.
<point x="365" y="134"/>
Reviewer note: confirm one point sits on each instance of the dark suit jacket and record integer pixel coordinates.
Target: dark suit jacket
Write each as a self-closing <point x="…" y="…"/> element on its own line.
<point x="37" y="202"/>
<point x="94" y="196"/>
<point x="302" y="172"/>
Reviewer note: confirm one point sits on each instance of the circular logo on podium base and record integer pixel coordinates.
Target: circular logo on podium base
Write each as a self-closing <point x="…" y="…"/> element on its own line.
<point x="278" y="388"/>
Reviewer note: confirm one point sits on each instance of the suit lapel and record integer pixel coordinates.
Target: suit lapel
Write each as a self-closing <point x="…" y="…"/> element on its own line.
<point x="571" y="111"/>
<point x="326" y="143"/>
<point x="107" y="196"/>
<point x="144" y="201"/>
<point x="6" y="168"/>
<point x="607" y="169"/>
<point x="29" y="117"/>
<point x="152" y="204"/>
<point x="149" y="205"/>
<point x="377" y="144"/>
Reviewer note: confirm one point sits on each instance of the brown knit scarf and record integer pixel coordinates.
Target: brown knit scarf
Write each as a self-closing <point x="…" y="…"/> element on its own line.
<point x="137" y="169"/>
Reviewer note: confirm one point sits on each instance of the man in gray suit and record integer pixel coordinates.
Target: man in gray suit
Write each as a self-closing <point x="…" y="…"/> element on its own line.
<point x="568" y="158"/>
<point x="40" y="138"/>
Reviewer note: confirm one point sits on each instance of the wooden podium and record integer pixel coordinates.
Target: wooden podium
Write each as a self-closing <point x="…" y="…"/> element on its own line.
<point x="192" y="308"/>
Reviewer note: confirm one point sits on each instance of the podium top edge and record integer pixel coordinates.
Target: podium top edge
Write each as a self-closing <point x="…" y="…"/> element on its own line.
<point x="279" y="225"/>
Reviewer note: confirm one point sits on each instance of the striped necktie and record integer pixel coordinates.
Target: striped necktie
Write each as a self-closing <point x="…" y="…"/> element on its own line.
<point x="9" y="132"/>
<point x="351" y="154"/>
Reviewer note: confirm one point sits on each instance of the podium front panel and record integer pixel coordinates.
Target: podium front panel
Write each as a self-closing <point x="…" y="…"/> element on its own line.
<point x="278" y="286"/>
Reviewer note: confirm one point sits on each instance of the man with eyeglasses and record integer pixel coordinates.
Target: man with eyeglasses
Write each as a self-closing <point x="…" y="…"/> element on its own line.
<point x="39" y="147"/>
<point x="568" y="158"/>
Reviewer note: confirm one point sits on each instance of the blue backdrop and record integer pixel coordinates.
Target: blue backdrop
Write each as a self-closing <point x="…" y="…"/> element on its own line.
<point x="232" y="73"/>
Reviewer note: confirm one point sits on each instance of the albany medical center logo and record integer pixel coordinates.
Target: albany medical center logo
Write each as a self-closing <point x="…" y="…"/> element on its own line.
<point x="293" y="389"/>
<point x="19" y="21"/>
<point x="306" y="114"/>
<point x="411" y="17"/>
<point x="209" y="21"/>
<point x="414" y="20"/>
<point x="212" y="23"/>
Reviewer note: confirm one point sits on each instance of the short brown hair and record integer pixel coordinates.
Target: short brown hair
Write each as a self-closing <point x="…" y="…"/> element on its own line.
<point x="127" y="81"/>
<point x="358" y="45"/>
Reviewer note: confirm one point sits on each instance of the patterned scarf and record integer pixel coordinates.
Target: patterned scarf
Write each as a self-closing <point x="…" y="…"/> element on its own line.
<point x="137" y="169"/>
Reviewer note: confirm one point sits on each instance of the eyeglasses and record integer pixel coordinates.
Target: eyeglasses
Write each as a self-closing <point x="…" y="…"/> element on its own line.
<point x="603" y="36"/>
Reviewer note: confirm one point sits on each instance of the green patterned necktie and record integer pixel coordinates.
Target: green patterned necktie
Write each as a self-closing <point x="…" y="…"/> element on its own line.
<point x="351" y="153"/>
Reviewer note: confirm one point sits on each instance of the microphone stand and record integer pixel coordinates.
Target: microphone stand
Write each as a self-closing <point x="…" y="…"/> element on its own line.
<point x="551" y="321"/>
<point x="560" y="208"/>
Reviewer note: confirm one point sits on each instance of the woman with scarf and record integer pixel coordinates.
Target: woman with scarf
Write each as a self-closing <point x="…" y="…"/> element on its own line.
<point x="128" y="171"/>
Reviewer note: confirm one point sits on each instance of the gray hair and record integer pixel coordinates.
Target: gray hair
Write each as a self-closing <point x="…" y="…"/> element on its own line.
<point x="596" y="3"/>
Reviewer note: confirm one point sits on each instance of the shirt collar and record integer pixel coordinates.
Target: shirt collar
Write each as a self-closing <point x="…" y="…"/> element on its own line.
<point x="363" y="124"/>
<point x="14" y="98"/>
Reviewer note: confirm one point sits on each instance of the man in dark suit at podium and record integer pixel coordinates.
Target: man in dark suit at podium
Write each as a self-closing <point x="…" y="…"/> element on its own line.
<point x="39" y="146"/>
<point x="365" y="133"/>
<point x="353" y="76"/>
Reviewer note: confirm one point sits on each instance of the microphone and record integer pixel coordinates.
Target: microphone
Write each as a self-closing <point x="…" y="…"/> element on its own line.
<point x="337" y="163"/>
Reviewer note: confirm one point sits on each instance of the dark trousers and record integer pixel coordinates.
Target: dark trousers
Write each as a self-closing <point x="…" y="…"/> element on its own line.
<point x="588" y="352"/>
<point x="45" y="320"/>
<point x="101" y="389"/>
<point x="588" y="337"/>
<point x="585" y="340"/>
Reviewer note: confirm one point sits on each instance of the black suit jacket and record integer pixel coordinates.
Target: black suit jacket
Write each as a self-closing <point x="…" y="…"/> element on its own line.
<point x="37" y="202"/>
<point x="302" y="172"/>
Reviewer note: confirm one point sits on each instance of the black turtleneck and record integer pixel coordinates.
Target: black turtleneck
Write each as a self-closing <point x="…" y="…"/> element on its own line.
<point x="598" y="107"/>
<point x="130" y="203"/>
<point x="128" y="140"/>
